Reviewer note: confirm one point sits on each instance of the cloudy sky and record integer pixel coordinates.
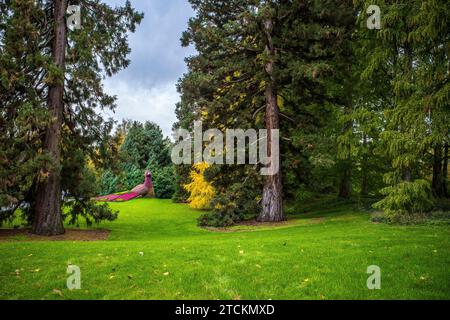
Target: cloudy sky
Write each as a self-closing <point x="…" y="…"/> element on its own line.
<point x="146" y="90"/>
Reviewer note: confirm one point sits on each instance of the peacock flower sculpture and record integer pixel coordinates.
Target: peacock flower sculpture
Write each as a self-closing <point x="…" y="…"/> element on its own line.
<point x="141" y="190"/>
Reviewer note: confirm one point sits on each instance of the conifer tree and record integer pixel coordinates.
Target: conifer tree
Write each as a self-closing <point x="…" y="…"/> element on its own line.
<point x="254" y="59"/>
<point x="66" y="70"/>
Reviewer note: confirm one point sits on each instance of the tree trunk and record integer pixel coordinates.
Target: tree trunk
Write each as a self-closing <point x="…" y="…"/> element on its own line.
<point x="345" y="185"/>
<point x="47" y="212"/>
<point x="272" y="199"/>
<point x="409" y="66"/>
<point x="445" y="171"/>
<point x="407" y="174"/>
<point x="437" y="184"/>
<point x="364" y="174"/>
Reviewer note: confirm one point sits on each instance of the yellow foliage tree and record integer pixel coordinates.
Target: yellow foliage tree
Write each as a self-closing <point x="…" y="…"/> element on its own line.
<point x="201" y="191"/>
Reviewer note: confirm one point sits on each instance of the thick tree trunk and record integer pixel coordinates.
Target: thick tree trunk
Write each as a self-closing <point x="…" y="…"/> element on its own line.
<point x="272" y="199"/>
<point x="47" y="212"/>
<point x="437" y="184"/>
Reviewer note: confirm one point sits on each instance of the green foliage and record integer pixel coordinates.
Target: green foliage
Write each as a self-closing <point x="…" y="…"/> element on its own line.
<point x="238" y="203"/>
<point x="406" y="198"/>
<point x="108" y="183"/>
<point x="226" y="80"/>
<point x="164" y="182"/>
<point x="90" y="211"/>
<point x="27" y="70"/>
<point x="144" y="147"/>
<point x="132" y="176"/>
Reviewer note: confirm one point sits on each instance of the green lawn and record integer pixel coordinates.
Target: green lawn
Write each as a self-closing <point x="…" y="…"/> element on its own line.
<point x="320" y="255"/>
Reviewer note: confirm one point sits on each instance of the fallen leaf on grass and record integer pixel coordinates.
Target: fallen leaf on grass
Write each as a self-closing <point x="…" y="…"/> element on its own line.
<point x="58" y="292"/>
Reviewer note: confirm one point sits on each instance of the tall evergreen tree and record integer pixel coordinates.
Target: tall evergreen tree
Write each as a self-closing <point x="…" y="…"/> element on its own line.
<point x="68" y="80"/>
<point x="257" y="56"/>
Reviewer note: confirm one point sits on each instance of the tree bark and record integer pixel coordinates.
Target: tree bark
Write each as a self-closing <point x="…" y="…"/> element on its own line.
<point x="47" y="211"/>
<point x="407" y="174"/>
<point x="364" y="174"/>
<point x="345" y="185"/>
<point x="445" y="171"/>
<point x="272" y="199"/>
<point x="409" y="66"/>
<point x="346" y="164"/>
<point x="437" y="184"/>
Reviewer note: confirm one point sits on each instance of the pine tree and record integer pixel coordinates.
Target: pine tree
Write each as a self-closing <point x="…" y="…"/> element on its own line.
<point x="410" y="51"/>
<point x="254" y="56"/>
<point x="66" y="76"/>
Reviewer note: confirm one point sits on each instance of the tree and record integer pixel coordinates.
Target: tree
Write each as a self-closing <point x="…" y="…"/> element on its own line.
<point x="47" y="209"/>
<point x="145" y="145"/>
<point x="410" y="55"/>
<point x="22" y="111"/>
<point x="135" y="148"/>
<point x="66" y="76"/>
<point x="252" y="56"/>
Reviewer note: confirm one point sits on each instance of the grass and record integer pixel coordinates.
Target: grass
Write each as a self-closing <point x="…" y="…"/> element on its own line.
<point x="322" y="254"/>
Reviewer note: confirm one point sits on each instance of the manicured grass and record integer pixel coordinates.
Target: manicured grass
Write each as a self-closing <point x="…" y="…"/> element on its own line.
<point x="319" y="255"/>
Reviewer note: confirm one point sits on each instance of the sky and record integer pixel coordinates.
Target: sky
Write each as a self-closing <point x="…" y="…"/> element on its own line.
<point x="146" y="90"/>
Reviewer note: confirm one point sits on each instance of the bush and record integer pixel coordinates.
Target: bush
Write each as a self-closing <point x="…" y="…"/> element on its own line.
<point x="133" y="177"/>
<point x="108" y="183"/>
<point x="164" y="182"/>
<point x="201" y="191"/>
<point x="406" y="198"/>
<point x="237" y="204"/>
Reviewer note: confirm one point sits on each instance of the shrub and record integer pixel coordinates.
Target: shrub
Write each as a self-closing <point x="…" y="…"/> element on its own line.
<point x="164" y="182"/>
<point x="133" y="176"/>
<point x="237" y="204"/>
<point x="108" y="183"/>
<point x="406" y="198"/>
<point x="201" y="191"/>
